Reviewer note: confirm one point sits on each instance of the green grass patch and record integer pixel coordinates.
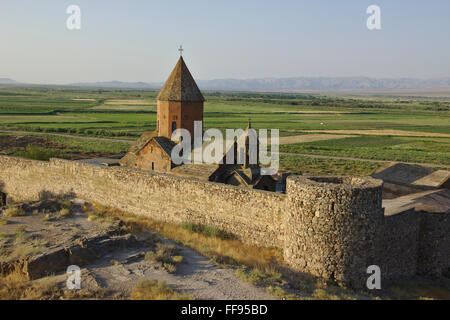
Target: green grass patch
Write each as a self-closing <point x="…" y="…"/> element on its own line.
<point x="208" y="231"/>
<point x="259" y="276"/>
<point x="37" y="153"/>
<point x="407" y="149"/>
<point x="327" y="166"/>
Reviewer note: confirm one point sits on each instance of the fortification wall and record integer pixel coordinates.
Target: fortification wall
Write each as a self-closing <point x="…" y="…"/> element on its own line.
<point x="253" y="216"/>
<point x="398" y="245"/>
<point x="433" y="244"/>
<point x="413" y="242"/>
<point x="331" y="227"/>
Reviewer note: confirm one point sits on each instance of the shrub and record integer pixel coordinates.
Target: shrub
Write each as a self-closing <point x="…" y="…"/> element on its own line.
<point x="164" y="256"/>
<point x="63" y="213"/>
<point x="14" y="212"/>
<point x="208" y="231"/>
<point x="155" y="290"/>
<point x="37" y="153"/>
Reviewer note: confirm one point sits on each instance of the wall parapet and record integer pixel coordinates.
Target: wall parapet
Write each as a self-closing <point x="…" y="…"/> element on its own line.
<point x="253" y="216"/>
<point x="330" y="227"/>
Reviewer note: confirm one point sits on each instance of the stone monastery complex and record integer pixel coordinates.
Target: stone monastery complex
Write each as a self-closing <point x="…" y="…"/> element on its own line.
<point x="179" y="104"/>
<point x="330" y="227"/>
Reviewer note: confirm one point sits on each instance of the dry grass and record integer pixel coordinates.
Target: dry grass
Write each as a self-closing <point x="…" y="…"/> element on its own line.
<point x="166" y="256"/>
<point x="260" y="276"/>
<point x="23" y="247"/>
<point x="20" y="229"/>
<point x="220" y="250"/>
<point x="311" y="138"/>
<point x="3" y="222"/>
<point x="421" y="292"/>
<point x="14" y="212"/>
<point x="258" y="265"/>
<point x="63" y="213"/>
<point x="385" y="132"/>
<point x="279" y="292"/>
<point x="155" y="290"/>
<point x="208" y="231"/>
<point x="16" y="286"/>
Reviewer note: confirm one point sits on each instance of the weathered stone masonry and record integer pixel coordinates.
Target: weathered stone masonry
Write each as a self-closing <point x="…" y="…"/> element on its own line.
<point x="332" y="227"/>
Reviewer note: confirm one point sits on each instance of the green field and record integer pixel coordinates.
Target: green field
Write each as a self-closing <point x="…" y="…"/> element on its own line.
<point x="125" y="114"/>
<point x="406" y="149"/>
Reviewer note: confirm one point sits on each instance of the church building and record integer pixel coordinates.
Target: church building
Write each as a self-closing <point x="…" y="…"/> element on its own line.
<point x="179" y="104"/>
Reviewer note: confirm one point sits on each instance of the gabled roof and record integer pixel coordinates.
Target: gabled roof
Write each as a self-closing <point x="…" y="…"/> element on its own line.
<point x="180" y="86"/>
<point x="432" y="201"/>
<point x="249" y="175"/>
<point x="166" y="144"/>
<point x="198" y="171"/>
<point x="129" y="160"/>
<point x="142" y="141"/>
<point x="412" y="175"/>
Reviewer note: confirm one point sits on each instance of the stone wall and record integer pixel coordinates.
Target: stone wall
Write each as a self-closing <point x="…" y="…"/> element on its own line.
<point x="253" y="216"/>
<point x="433" y="244"/>
<point x="398" y="245"/>
<point x="331" y="227"/>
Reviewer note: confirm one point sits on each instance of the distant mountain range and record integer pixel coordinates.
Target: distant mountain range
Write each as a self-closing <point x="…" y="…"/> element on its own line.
<point x="322" y="83"/>
<point x="7" y="81"/>
<point x="293" y="84"/>
<point x="283" y="84"/>
<point x="115" y="84"/>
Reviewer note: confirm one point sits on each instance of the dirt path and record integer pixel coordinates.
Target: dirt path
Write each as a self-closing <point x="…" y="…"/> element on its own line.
<point x="385" y="132"/>
<point x="311" y="138"/>
<point x="67" y="135"/>
<point x="286" y="140"/>
<point x="196" y="276"/>
<point x="425" y="164"/>
<point x="283" y="140"/>
<point x="110" y="258"/>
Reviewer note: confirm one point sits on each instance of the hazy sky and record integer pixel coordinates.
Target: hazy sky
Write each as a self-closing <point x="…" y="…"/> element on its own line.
<point x="137" y="40"/>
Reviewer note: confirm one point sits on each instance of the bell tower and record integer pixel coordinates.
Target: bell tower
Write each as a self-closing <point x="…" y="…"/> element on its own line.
<point x="179" y="103"/>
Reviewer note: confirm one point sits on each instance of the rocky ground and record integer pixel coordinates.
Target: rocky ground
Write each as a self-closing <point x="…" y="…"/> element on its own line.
<point x="111" y="258"/>
<point x="41" y="239"/>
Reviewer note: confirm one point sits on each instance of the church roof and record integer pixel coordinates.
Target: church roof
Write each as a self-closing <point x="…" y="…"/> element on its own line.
<point x="142" y="141"/>
<point x="130" y="158"/>
<point x="198" y="171"/>
<point x="180" y="86"/>
<point x="166" y="145"/>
